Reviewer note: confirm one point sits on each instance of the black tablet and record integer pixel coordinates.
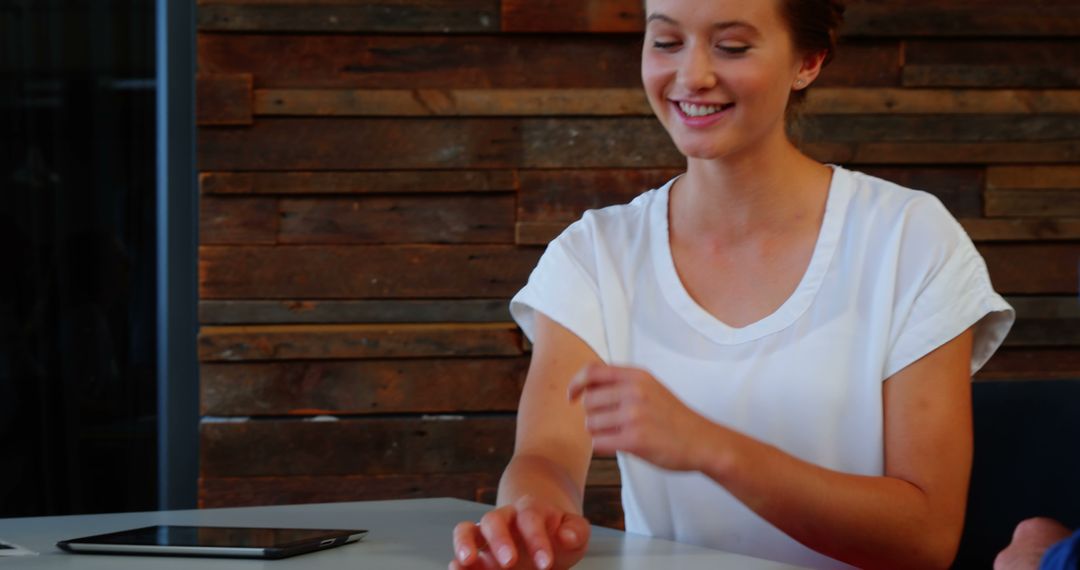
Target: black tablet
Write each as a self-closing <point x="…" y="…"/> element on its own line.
<point x="239" y="542"/>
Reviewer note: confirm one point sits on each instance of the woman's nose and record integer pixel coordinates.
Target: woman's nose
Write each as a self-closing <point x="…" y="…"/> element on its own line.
<point x="695" y="71"/>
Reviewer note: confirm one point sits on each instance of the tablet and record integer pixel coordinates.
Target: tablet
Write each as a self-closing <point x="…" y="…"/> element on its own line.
<point x="239" y="542"/>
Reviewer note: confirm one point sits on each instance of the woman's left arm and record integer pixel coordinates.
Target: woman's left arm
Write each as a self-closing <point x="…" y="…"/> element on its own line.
<point x="911" y="517"/>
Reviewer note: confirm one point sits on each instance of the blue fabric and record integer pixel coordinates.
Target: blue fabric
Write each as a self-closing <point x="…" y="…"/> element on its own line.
<point x="1064" y="555"/>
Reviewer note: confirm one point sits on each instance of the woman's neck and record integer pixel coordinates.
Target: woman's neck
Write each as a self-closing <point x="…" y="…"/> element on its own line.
<point x="738" y="198"/>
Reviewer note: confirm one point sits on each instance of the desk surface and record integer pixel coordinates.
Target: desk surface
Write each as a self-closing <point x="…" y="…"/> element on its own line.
<point x="404" y="535"/>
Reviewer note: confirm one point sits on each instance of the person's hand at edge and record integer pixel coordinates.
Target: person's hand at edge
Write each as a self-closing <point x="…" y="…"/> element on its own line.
<point x="526" y="534"/>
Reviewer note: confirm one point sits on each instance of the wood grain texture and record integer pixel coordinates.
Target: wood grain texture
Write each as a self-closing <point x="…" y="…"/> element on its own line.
<point x="223" y="492"/>
<point x="359" y="272"/>
<point x="1032" y="364"/>
<point x="398" y="219"/>
<point x="446" y="16"/>
<point x="353" y="447"/>
<point x="1033" y="203"/>
<point x="296" y="342"/>
<point x="382" y="311"/>
<point x="1022" y="229"/>
<point x="223" y="99"/>
<point x="450" y="102"/>
<point x="573" y="16"/>
<point x="563" y="195"/>
<point x="382" y="143"/>
<point x="336" y="61"/>
<point x="1005" y="19"/>
<point x="970" y="153"/>
<point x="385" y="182"/>
<point x="1033" y="268"/>
<point x="938" y="101"/>
<point x="238" y="221"/>
<point x="1015" y="64"/>
<point x="1032" y="177"/>
<point x="428" y="386"/>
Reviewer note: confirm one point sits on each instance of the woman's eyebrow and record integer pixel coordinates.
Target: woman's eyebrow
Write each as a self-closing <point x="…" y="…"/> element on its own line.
<point x="719" y="26"/>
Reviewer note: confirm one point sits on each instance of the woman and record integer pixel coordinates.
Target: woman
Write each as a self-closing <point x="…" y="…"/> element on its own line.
<point x="779" y="351"/>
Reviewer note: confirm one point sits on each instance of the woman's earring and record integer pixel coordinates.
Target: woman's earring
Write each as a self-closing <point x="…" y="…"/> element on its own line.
<point x="799" y="83"/>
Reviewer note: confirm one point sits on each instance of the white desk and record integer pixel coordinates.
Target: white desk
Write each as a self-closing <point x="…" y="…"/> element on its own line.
<point x="404" y="535"/>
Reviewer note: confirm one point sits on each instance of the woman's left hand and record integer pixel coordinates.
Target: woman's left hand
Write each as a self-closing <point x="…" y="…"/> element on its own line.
<point x="628" y="410"/>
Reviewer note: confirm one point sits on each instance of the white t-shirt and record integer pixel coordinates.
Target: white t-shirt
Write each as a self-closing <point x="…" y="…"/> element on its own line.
<point x="892" y="277"/>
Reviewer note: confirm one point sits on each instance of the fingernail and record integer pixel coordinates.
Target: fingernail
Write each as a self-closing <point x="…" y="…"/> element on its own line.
<point x="504" y="555"/>
<point x="569" y="535"/>
<point x="542" y="560"/>
<point x="463" y="554"/>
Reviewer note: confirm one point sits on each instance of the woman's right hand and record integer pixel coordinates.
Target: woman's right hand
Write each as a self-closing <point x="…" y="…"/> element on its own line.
<point x="525" y="534"/>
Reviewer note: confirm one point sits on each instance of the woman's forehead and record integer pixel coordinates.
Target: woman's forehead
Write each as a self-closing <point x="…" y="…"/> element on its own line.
<point x="761" y="14"/>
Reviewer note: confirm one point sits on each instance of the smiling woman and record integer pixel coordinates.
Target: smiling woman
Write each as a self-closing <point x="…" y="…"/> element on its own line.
<point x="778" y="351"/>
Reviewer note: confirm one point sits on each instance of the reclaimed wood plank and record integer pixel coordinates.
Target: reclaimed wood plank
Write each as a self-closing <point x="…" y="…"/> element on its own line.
<point x="451" y="102"/>
<point x="212" y="312"/>
<point x="222" y="492"/>
<point x="1054" y="363"/>
<point x="359" y="272"/>
<point x="1033" y="177"/>
<point x="223" y="99"/>
<point x="408" y="16"/>
<point x="388" y="182"/>
<point x="439" y="143"/>
<point x="324" y="61"/>
<point x="1005" y="19"/>
<point x="297" y="342"/>
<point x="432" y="445"/>
<point x="538" y="233"/>
<point x="427" y="386"/>
<point x="356" y="61"/>
<point x="1045" y="321"/>
<point x="1042" y="64"/>
<point x="1017" y="76"/>
<point x="398" y="219"/>
<point x="563" y="195"/>
<point x="238" y="220"/>
<point x="938" y="128"/>
<point x="597" y="16"/>
<point x="603" y="471"/>
<point x="1022" y="229"/>
<point x="902" y="153"/>
<point x="1033" y="268"/>
<point x="857" y="101"/>
<point x="1033" y="203"/>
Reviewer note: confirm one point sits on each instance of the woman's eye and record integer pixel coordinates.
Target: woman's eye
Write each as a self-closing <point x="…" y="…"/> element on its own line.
<point x="733" y="50"/>
<point x="664" y="45"/>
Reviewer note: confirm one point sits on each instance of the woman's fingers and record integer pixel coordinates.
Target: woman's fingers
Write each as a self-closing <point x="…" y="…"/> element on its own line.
<point x="591" y="376"/>
<point x="467" y="543"/>
<point x="574" y="531"/>
<point x="495" y="528"/>
<point x="534" y="533"/>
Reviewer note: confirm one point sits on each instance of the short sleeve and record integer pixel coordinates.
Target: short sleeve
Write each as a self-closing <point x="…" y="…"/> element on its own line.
<point x="946" y="289"/>
<point x="564" y="290"/>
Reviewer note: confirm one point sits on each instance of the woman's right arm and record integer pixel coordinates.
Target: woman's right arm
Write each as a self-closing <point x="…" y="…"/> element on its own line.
<point x="538" y="521"/>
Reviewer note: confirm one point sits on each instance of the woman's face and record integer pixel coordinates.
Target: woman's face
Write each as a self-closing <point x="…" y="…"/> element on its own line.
<point x="718" y="74"/>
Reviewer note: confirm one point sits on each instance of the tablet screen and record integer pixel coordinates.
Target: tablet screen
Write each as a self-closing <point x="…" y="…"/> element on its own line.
<point x="214" y="536"/>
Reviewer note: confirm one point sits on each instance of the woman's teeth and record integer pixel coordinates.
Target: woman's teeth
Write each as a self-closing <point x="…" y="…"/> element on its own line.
<point x="693" y="110"/>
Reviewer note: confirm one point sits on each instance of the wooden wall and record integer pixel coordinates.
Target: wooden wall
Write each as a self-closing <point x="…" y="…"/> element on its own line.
<point x="378" y="178"/>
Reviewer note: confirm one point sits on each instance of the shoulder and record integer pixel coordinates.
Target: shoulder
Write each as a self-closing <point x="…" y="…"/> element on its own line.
<point x="622" y="224"/>
<point x="898" y="213"/>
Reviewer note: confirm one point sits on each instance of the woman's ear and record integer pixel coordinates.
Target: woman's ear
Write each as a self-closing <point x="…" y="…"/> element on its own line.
<point x="809" y="68"/>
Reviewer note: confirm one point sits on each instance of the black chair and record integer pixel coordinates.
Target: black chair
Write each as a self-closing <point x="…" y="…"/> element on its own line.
<point x="1027" y="463"/>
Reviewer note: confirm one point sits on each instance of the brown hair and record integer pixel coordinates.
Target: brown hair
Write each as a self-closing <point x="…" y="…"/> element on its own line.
<point x="814" y="27"/>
